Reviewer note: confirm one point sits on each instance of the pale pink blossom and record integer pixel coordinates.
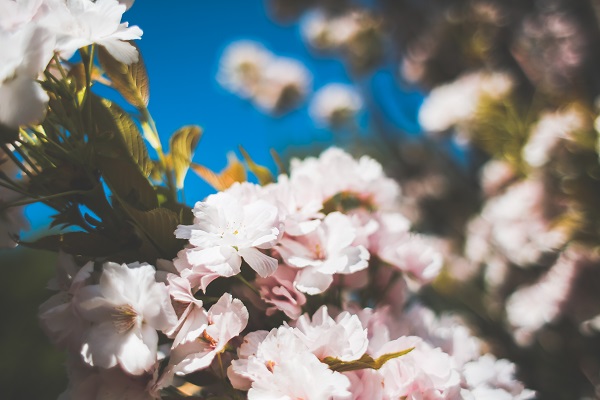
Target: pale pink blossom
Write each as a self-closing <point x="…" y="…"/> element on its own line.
<point x="343" y="338"/>
<point x="225" y="231"/>
<point x="125" y="309"/>
<point x="327" y="251"/>
<point x="226" y="319"/>
<point x="529" y="308"/>
<point x="279" y="292"/>
<point x="489" y="374"/>
<point x="193" y="320"/>
<point x="59" y="315"/>
<point x="241" y="67"/>
<point x="278" y="365"/>
<point x="362" y="182"/>
<point x="456" y="102"/>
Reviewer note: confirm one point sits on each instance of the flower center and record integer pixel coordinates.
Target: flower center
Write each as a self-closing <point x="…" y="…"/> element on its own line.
<point x="124" y="318"/>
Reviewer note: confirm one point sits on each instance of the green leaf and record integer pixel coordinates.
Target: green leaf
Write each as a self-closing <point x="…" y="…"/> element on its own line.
<point x="158" y="225"/>
<point x="119" y="135"/>
<point x="130" y="80"/>
<point x="262" y="173"/>
<point x="182" y="146"/>
<point x="127" y="183"/>
<point x="366" y="361"/>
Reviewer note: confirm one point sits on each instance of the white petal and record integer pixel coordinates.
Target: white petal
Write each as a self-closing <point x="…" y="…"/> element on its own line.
<point x="258" y="261"/>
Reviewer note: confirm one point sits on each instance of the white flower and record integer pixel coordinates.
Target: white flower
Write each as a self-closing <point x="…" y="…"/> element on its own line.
<point x="126" y="309"/>
<point x="343" y="338"/>
<point x="24" y="54"/>
<point x="278" y="365"/>
<point x="227" y="230"/>
<point x="79" y="23"/>
<point x="335" y="104"/>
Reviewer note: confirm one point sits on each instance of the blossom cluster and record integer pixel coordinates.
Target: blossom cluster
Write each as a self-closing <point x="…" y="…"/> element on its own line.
<point x="322" y="273"/>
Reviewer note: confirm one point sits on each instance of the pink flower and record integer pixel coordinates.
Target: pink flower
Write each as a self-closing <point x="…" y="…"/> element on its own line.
<point x="226" y="319"/>
<point x="278" y="365"/>
<point x="194" y="319"/>
<point x="279" y="291"/>
<point x="326" y="251"/>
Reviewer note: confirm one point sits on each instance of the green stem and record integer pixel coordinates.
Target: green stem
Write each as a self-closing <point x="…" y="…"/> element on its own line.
<point x="38" y="199"/>
<point x="248" y="284"/>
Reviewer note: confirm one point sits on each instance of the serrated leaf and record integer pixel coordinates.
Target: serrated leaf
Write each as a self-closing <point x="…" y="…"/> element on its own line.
<point x="119" y="135"/>
<point x="159" y="227"/>
<point x="263" y="174"/>
<point x="234" y="172"/>
<point x="130" y="80"/>
<point x="182" y="146"/>
<point x="280" y="165"/>
<point x="365" y="362"/>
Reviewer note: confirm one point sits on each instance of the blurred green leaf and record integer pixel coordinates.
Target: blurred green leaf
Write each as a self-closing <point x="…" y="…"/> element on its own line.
<point x="234" y="172"/>
<point x="182" y="146"/>
<point x="76" y="243"/>
<point x="130" y="80"/>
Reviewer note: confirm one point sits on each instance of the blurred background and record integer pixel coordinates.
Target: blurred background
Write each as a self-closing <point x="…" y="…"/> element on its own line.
<point x="485" y="111"/>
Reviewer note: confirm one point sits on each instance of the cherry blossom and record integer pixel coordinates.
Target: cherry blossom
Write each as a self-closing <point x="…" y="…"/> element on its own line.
<point x="326" y="251"/>
<point x="335" y="104"/>
<point x="225" y="231"/>
<point x="126" y="309"/>
<point x="226" y="319"/>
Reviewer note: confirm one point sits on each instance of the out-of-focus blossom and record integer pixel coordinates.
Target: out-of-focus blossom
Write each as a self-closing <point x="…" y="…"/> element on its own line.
<point x="226" y="230"/>
<point x="242" y="65"/>
<point x="549" y="131"/>
<point x="79" y="23"/>
<point x="531" y="307"/>
<point x="275" y="84"/>
<point x="284" y="83"/>
<point x="495" y="175"/>
<point x="489" y="374"/>
<point x="125" y="309"/>
<point x="551" y="48"/>
<point x="456" y="102"/>
<point x="335" y="105"/>
<point x="515" y="226"/>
